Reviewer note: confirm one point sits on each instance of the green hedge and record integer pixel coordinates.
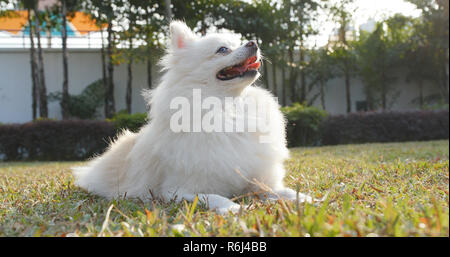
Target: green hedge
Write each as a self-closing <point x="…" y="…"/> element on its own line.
<point x="48" y="140"/>
<point x="132" y="122"/>
<point x="307" y="126"/>
<point x="368" y="127"/>
<point x="303" y="124"/>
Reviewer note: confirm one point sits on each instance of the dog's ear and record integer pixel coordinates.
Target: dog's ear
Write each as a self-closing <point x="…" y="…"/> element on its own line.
<point x="180" y="34"/>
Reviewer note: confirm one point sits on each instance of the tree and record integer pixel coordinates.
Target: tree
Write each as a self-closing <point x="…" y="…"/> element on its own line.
<point x="28" y="4"/>
<point x="104" y="13"/>
<point x="109" y="92"/>
<point x="5" y="12"/>
<point x="419" y="62"/>
<point x="67" y="8"/>
<point x="199" y="14"/>
<point x="65" y="95"/>
<point x="344" y="60"/>
<point x="129" y="18"/>
<point x="43" y="106"/>
<point x="140" y="22"/>
<point x="151" y="32"/>
<point x="130" y="34"/>
<point x="280" y="28"/>
<point x="50" y="19"/>
<point x="320" y="71"/>
<point x="299" y="15"/>
<point x="264" y="27"/>
<point x="341" y="14"/>
<point x="434" y="35"/>
<point x="380" y="54"/>
<point x="55" y="18"/>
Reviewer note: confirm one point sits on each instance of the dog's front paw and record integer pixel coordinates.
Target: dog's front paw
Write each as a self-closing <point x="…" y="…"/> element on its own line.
<point x="302" y="198"/>
<point x="290" y="195"/>
<point x="234" y="209"/>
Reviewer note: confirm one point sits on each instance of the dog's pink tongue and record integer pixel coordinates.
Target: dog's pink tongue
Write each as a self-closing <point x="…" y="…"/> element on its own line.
<point x="239" y="69"/>
<point x="247" y="66"/>
<point x="250" y="60"/>
<point x="254" y="65"/>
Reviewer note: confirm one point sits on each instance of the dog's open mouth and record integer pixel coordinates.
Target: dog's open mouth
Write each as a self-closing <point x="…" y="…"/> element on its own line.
<point x="239" y="70"/>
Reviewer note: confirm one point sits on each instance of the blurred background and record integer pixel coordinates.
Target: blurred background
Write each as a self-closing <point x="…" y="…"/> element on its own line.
<point x="356" y="72"/>
<point x="89" y="59"/>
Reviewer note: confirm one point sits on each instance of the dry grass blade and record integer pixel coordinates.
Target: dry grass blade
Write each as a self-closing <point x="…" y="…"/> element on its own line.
<point x="106" y="221"/>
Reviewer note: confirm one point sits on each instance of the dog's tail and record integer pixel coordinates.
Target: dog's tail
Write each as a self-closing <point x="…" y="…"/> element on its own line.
<point x="103" y="174"/>
<point x="79" y="174"/>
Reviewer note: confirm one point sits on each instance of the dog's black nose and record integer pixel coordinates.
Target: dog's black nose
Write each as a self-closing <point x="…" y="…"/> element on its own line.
<point x="252" y="44"/>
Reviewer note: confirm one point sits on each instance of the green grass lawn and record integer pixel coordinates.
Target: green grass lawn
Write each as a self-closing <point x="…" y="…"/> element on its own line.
<point x="396" y="189"/>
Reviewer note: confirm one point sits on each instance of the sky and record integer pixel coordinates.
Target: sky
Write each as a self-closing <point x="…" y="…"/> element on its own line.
<point x="365" y="10"/>
<point x="379" y="8"/>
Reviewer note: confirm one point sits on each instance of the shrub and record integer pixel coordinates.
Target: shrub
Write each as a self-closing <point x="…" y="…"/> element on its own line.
<point x="303" y="124"/>
<point x="54" y="140"/>
<point x="385" y="127"/>
<point x="43" y="119"/>
<point x="46" y="139"/>
<point x="84" y="105"/>
<point x="81" y="139"/>
<point x="132" y="122"/>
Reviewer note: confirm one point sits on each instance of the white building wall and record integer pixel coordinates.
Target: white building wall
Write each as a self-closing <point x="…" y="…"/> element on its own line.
<point x="85" y="68"/>
<point x="335" y="94"/>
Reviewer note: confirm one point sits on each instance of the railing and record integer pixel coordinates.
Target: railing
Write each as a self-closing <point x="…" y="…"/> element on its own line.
<point x="18" y="39"/>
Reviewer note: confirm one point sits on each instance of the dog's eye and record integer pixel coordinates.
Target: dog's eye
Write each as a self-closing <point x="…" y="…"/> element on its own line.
<point x="222" y="50"/>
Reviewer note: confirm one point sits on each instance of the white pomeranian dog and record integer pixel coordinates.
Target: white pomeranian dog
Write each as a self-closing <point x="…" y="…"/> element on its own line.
<point x="166" y="163"/>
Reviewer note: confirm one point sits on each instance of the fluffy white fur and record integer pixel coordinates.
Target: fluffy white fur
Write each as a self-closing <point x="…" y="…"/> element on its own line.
<point x="156" y="162"/>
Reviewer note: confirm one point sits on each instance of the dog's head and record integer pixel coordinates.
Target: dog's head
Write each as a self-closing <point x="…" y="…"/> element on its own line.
<point x="215" y="60"/>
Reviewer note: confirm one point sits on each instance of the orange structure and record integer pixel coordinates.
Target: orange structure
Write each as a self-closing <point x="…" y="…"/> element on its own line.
<point x="16" y="21"/>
